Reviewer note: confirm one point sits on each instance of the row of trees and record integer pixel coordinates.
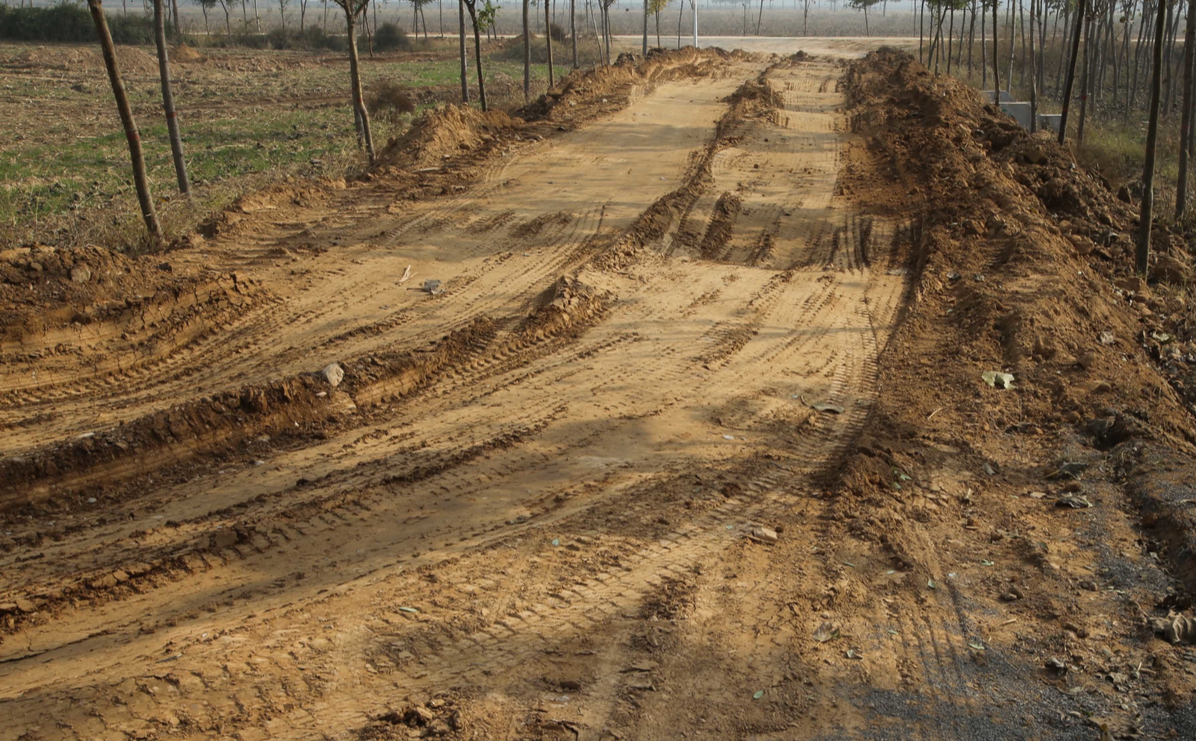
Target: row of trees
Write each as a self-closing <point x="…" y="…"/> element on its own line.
<point x="1116" y="62"/>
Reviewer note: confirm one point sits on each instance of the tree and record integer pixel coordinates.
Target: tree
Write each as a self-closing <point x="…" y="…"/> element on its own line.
<point x="863" y="5"/>
<point x="282" y="13"/>
<point x="172" y="120"/>
<point x="228" y="25"/>
<point x="996" y="64"/>
<point x="205" y="6"/>
<point x="361" y="117"/>
<point x="527" y="52"/>
<point x="644" y="51"/>
<point x="471" y="6"/>
<point x="548" y="39"/>
<point x="1145" y="218"/>
<point x="573" y="29"/>
<point x="656" y="7"/>
<point x="464" y="61"/>
<point x="1185" y="127"/>
<point x="126" y="118"/>
<point x="805" y="16"/>
<point x="1071" y="69"/>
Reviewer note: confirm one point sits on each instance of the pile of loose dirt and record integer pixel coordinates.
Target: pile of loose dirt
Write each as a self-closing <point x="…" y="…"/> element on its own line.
<point x="1021" y="263"/>
<point x="184" y="53"/>
<point x="1020" y="259"/>
<point x="443" y="133"/>
<point x="128" y="58"/>
<point x="46" y="287"/>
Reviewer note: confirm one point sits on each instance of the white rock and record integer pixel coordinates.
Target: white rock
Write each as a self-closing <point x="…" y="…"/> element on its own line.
<point x="333" y="374"/>
<point x="763" y="534"/>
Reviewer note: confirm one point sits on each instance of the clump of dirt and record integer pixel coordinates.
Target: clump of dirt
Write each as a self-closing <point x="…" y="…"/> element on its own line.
<point x="43" y="288"/>
<point x="566" y="309"/>
<point x="185" y="54"/>
<point x="443" y="133"/>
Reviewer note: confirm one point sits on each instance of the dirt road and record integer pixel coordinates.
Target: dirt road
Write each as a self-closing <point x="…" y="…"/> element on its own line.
<point x="595" y="430"/>
<point x="628" y="471"/>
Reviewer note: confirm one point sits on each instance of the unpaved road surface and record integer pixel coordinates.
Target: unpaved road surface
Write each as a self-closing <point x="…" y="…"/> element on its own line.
<point x="532" y="507"/>
<point x="535" y="494"/>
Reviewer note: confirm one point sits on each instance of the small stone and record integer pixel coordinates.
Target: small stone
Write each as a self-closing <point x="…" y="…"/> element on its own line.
<point x="763" y="534"/>
<point x="333" y="374"/>
<point x="80" y="274"/>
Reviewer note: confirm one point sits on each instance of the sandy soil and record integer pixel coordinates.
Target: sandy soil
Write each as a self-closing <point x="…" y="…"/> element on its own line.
<point x="593" y="488"/>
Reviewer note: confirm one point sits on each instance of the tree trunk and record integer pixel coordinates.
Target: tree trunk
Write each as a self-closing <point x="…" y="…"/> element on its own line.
<point x="657" y="15"/>
<point x="174" y="5"/>
<point x="573" y="29"/>
<point x="1063" y="54"/>
<point x="172" y="121"/>
<point x="922" y="31"/>
<point x="364" y="136"/>
<point x="527" y="52"/>
<point x="1084" y="82"/>
<point x="983" y="49"/>
<point x="996" y="63"/>
<point x="680" y="15"/>
<point x="477" y="53"/>
<point x="1142" y="260"/>
<point x="759" y="17"/>
<point x="1012" y="45"/>
<point x="645" y="49"/>
<point x="971" y="37"/>
<point x="126" y="118"/>
<point x="548" y="39"/>
<point x="1071" y="70"/>
<point x="1033" y="76"/>
<point x="950" y="39"/>
<point x="1021" y="12"/>
<point x="464" y="62"/>
<point x="1185" y="127"/>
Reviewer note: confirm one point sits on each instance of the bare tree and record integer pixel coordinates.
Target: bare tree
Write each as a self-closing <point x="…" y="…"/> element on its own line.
<point x="353" y="10"/>
<point x="996" y="64"/>
<point x="302" y="14"/>
<point x="126" y="118"/>
<point x="573" y="29"/>
<point x="471" y="7"/>
<point x="527" y="51"/>
<point x="646" y="12"/>
<point x="228" y="25"/>
<point x="548" y="39"/>
<point x="172" y="120"/>
<point x="1141" y="263"/>
<point x="1185" y="132"/>
<point x="1071" y="70"/>
<point x="464" y="62"/>
<point x="282" y="13"/>
<point x="805" y="16"/>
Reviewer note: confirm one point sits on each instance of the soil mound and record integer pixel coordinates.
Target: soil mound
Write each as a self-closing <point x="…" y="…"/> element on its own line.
<point x="444" y="132"/>
<point x="1021" y="263"/>
<point x="184" y="53"/>
<point x="44" y="287"/>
